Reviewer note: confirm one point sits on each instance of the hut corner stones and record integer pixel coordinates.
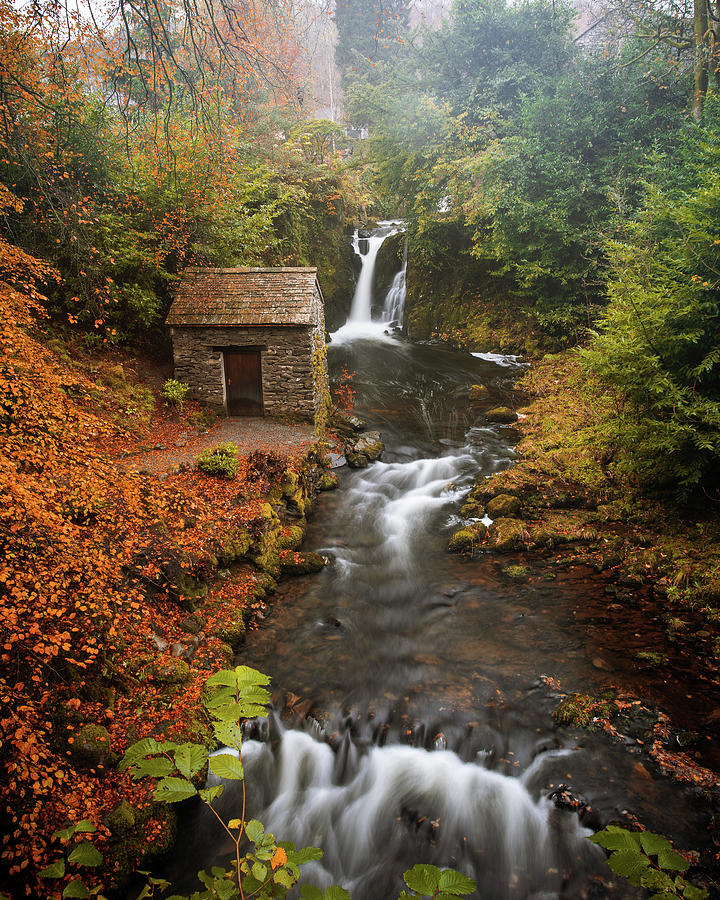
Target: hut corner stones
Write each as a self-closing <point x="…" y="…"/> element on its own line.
<point x="251" y="341"/>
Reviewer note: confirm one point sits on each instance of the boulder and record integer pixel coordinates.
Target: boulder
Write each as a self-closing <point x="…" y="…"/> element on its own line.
<point x="508" y="534"/>
<point x="504" y="506"/>
<point x="328" y="481"/>
<point x="466" y="539"/>
<point x="193" y="624"/>
<point x="91" y="748"/>
<point x="121" y="819"/>
<point x="357" y="460"/>
<point x="501" y="415"/>
<point x="369" y="444"/>
<point x="478" y="392"/>
<point x="168" y="670"/>
<point x="301" y="563"/>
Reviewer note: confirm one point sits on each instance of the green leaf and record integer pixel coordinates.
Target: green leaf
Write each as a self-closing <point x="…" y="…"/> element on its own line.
<point x="86" y="854"/>
<point x="631" y="864"/>
<point x="690" y="892"/>
<point x="453" y="882"/>
<point x="190" y="758"/>
<point x="84" y="826"/>
<point x="223" y="677"/>
<point x="254" y="830"/>
<point x="244" y="675"/>
<point x="227" y="766"/>
<point x="335" y="892"/>
<point x="174" y="790"/>
<point x="228" y="733"/>
<point x="304" y="855"/>
<point x="142" y="748"/>
<point x="55" y="870"/>
<point x="259" y="871"/>
<point x="156" y="767"/>
<point x="76" y="888"/>
<point x="657" y="845"/>
<point x="212" y="793"/>
<point x="284" y="877"/>
<point x="615" y="838"/>
<point x="423" y="879"/>
<point x="310" y="892"/>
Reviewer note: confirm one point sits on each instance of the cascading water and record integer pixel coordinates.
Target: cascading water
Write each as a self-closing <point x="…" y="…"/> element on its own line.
<point x="432" y="738"/>
<point x="394" y="309"/>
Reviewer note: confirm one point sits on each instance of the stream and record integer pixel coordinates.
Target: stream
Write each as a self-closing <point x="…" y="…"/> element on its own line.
<point x="431" y="736"/>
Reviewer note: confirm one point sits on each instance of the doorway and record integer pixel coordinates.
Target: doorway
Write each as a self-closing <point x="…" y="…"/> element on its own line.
<point x="243" y="382"/>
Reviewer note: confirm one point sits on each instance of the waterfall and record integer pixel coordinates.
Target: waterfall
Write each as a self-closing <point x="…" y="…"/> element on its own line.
<point x="395" y="300"/>
<point x="360" y="322"/>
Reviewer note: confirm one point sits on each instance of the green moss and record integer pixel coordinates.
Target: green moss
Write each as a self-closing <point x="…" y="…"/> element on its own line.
<point x="516" y="571"/>
<point x="584" y="711"/>
<point x="466" y="539"/>
<point x="168" y="670"/>
<point x="508" y="534"/>
<point x="91" y="749"/>
<point x="121" y="819"/>
<point x="236" y="545"/>
<point x="232" y="630"/>
<point x="652" y="658"/>
<point x="328" y="481"/>
<point x="290" y="537"/>
<point x="289" y="483"/>
<point x="503" y="506"/>
<point x="301" y="563"/>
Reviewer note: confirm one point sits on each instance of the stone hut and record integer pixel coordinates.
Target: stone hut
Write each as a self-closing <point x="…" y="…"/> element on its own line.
<point x="252" y="341"/>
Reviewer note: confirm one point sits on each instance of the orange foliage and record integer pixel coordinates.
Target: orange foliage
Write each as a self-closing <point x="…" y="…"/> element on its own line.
<point x="90" y="557"/>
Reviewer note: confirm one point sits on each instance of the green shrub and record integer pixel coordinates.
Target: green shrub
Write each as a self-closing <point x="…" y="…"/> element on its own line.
<point x="221" y="460"/>
<point x="175" y="392"/>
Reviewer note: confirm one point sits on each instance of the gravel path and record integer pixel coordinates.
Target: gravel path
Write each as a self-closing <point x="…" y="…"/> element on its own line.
<point x="267" y="435"/>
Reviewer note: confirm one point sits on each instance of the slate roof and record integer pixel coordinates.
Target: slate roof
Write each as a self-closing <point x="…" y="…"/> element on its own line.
<point x="208" y="297"/>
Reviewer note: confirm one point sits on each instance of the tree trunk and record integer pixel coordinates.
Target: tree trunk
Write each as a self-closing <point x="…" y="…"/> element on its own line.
<point x="700" y="16"/>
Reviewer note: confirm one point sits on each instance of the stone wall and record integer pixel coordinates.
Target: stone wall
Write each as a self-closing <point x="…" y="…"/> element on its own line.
<point x="319" y="362"/>
<point x="288" y="379"/>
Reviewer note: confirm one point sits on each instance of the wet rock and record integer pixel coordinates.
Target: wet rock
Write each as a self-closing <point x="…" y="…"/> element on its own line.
<point x="478" y="392"/>
<point x="335" y="460"/>
<point x="467" y="539"/>
<point x="564" y="799"/>
<point x="508" y="534"/>
<point x="504" y="506"/>
<point x="357" y="460"/>
<point x="301" y="563"/>
<point x="121" y="819"/>
<point x="91" y="749"/>
<point x="651" y="658"/>
<point x="369" y="444"/>
<point x="501" y="415"/>
<point x="232" y="631"/>
<point x="328" y="481"/>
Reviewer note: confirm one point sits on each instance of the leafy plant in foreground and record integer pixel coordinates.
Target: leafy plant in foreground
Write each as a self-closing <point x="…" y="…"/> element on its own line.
<point x="631" y="856"/>
<point x="221" y="461"/>
<point x="174" y="393"/>
<point x="83" y="854"/>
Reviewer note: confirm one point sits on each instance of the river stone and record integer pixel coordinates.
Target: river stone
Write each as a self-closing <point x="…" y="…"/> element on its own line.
<point x="478" y="392"/>
<point x="357" y="460"/>
<point x="504" y="506"/>
<point x="369" y="444"/>
<point x="168" y="670"/>
<point x="193" y="624"/>
<point x="335" y="460"/>
<point x="508" y="534"/>
<point x="466" y="539"/>
<point x="501" y="415"/>
<point x="91" y="748"/>
<point x="328" y="481"/>
<point x="301" y="563"/>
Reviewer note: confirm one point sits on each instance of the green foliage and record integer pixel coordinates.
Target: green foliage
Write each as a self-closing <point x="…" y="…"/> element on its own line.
<point x="175" y="392"/>
<point x="659" y="343"/>
<point x="221" y="460"/>
<point x="439" y="884"/>
<point x="631" y="857"/>
<point x="83" y="853"/>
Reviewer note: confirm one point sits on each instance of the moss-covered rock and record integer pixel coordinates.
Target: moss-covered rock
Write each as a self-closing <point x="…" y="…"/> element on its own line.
<point x="478" y="392"/>
<point x="584" y="711"/>
<point x="357" y="460"/>
<point x="508" y="534"/>
<point x="121" y="819"/>
<point x="466" y="539"/>
<point x="232" y="630"/>
<point x="290" y="537"/>
<point x="91" y="748"/>
<point x="301" y="563"/>
<point x="472" y="509"/>
<point x="236" y="545"/>
<point x="369" y="444"/>
<point x="504" y="506"/>
<point x="168" y="670"/>
<point x="516" y="571"/>
<point x="652" y="658"/>
<point x="501" y="415"/>
<point x="289" y="483"/>
<point x="328" y="481"/>
<point x="193" y="624"/>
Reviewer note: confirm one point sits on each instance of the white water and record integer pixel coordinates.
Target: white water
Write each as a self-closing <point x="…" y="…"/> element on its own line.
<point x="405" y="804"/>
<point x="360" y="323"/>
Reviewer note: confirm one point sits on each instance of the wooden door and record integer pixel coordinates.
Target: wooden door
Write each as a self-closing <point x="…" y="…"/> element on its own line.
<point x="243" y="381"/>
